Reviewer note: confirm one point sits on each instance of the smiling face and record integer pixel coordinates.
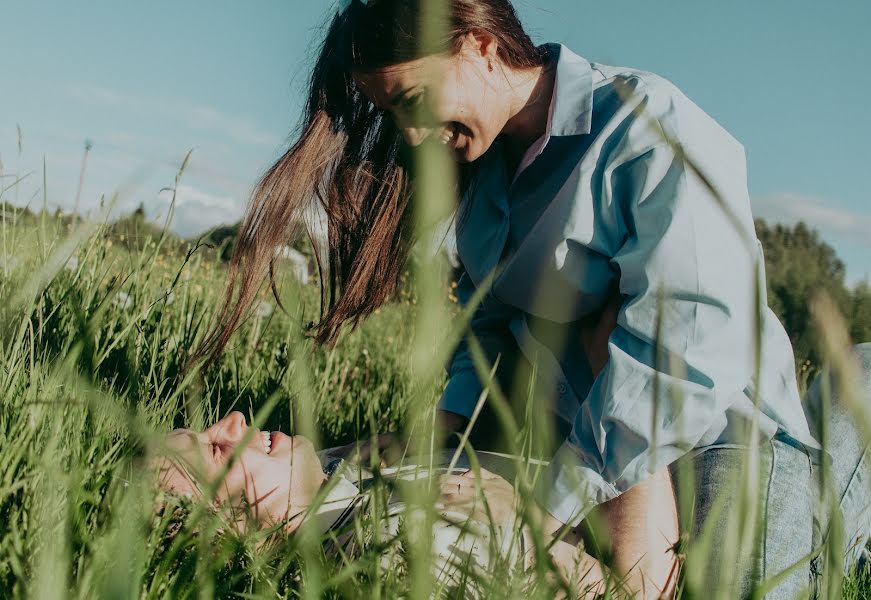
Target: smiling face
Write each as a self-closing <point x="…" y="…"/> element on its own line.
<point x="275" y="475"/>
<point x="456" y="99"/>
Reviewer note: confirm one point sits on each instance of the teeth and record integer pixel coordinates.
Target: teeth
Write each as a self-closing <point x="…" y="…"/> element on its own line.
<point x="267" y="441"/>
<point x="447" y="135"/>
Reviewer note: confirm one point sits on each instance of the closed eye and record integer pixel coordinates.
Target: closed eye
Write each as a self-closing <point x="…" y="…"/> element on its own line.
<point x="412" y="101"/>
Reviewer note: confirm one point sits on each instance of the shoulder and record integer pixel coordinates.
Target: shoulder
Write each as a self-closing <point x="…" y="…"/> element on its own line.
<point x="654" y="111"/>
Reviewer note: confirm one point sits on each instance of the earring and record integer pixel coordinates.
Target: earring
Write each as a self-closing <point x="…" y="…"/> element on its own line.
<point x="490" y="65"/>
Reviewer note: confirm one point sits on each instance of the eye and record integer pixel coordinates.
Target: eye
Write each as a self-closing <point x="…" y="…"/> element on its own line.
<point x="412" y="101"/>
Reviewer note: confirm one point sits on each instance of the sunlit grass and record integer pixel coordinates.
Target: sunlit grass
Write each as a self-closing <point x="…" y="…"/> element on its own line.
<point x="96" y="324"/>
<point x="95" y="332"/>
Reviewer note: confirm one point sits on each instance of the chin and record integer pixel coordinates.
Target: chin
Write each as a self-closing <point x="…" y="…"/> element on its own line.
<point x="469" y="155"/>
<point x="477" y="148"/>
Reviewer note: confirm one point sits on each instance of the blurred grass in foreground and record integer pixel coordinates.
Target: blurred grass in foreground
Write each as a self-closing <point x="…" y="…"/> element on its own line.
<point x="94" y="334"/>
<point x="95" y="323"/>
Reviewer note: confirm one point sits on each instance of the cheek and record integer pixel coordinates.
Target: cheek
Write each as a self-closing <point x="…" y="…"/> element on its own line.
<point x="479" y="108"/>
<point x="306" y="481"/>
<point x="446" y="105"/>
<point x="258" y="480"/>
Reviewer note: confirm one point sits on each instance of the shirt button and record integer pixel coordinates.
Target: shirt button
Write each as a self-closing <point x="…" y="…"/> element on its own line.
<point x="561" y="388"/>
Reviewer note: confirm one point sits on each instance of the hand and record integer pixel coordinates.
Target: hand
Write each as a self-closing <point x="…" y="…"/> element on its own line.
<point x="490" y="500"/>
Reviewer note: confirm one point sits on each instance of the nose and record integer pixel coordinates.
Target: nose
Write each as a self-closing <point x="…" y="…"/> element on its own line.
<point x="233" y="426"/>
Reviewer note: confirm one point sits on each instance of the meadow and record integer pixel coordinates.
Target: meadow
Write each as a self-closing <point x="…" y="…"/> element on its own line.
<point x="96" y="321"/>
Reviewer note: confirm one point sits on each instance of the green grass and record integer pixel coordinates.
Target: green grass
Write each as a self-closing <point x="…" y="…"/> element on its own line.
<point x="91" y="373"/>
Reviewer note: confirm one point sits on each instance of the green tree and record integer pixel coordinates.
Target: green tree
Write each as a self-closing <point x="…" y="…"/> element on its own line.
<point x="860" y="314"/>
<point x="798" y="266"/>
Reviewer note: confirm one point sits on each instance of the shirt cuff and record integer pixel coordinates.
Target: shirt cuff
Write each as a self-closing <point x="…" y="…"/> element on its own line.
<point x="568" y="489"/>
<point x="461" y="394"/>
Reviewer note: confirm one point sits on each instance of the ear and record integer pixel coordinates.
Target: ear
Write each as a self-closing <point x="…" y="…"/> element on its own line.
<point x="482" y="44"/>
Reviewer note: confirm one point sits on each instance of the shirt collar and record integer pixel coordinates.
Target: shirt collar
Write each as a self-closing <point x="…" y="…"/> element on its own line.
<point x="338" y="504"/>
<point x="572" y="104"/>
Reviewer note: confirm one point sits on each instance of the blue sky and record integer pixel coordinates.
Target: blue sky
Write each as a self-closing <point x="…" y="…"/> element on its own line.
<point x="145" y="82"/>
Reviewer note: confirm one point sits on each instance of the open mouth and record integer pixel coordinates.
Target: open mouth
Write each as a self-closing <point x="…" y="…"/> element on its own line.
<point x="266" y="437"/>
<point x="453" y="133"/>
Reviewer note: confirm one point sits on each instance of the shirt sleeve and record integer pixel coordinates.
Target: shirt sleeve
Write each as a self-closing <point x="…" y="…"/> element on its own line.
<point x="689" y="252"/>
<point x="490" y="325"/>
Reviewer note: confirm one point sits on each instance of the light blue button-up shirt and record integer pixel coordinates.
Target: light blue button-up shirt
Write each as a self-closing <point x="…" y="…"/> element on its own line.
<point x="619" y="198"/>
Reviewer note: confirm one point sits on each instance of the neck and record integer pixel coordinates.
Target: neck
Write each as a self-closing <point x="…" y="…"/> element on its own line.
<point x="531" y="91"/>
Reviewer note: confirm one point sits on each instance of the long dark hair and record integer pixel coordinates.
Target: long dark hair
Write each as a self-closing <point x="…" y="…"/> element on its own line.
<point x="352" y="160"/>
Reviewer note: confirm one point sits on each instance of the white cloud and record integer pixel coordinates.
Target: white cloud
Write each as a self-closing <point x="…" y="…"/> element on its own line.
<point x="816" y="213"/>
<point x="240" y="129"/>
<point x="196" y="210"/>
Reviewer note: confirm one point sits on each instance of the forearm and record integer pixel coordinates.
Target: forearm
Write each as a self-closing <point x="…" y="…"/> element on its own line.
<point x="643" y="528"/>
<point x="633" y="534"/>
<point x="583" y="573"/>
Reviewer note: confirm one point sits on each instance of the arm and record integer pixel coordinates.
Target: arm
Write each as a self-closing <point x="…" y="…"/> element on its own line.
<point x="662" y="389"/>
<point x="492" y="501"/>
<point x="644" y="518"/>
<point x="489" y="324"/>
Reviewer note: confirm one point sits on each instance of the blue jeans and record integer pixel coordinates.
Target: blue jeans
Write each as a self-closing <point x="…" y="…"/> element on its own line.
<point x="794" y="515"/>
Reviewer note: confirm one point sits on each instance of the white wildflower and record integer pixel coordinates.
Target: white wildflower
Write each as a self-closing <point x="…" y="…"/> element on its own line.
<point x="8" y="262"/>
<point x="72" y="263"/>
<point x="123" y="300"/>
<point x="262" y="309"/>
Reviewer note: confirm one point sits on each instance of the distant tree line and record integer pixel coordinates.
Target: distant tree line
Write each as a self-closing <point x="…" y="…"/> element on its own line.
<point x="799" y="265"/>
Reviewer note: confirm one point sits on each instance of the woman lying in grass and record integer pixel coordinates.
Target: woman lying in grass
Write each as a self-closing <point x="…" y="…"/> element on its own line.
<point x="270" y="480"/>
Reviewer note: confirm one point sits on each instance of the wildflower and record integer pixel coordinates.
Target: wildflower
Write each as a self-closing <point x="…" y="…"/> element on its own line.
<point x="72" y="263"/>
<point x="262" y="309"/>
<point x="123" y="300"/>
<point x="8" y="263"/>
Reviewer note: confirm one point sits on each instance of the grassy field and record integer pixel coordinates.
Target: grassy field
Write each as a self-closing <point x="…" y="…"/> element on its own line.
<point x="95" y="322"/>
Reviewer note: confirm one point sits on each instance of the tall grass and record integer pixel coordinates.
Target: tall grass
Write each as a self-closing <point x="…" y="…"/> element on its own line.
<point x="95" y="333"/>
<point x="94" y="337"/>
